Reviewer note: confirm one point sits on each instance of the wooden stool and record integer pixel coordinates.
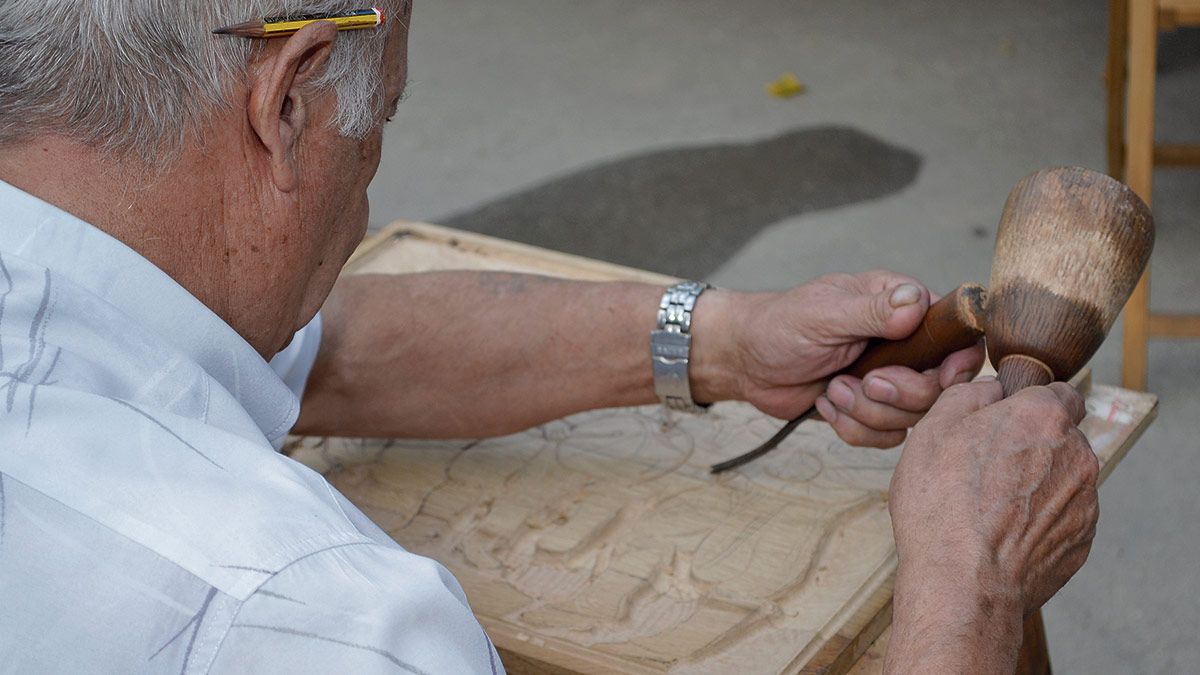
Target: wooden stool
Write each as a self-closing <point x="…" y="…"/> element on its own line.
<point x="1133" y="30"/>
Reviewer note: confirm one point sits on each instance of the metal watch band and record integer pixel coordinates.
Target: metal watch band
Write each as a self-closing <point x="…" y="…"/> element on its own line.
<point x="671" y="344"/>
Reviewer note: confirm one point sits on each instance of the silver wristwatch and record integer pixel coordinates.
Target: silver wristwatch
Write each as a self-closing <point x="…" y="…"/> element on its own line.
<point x="671" y="344"/>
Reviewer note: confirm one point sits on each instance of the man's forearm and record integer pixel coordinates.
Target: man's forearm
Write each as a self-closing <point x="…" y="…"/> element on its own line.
<point x="469" y="354"/>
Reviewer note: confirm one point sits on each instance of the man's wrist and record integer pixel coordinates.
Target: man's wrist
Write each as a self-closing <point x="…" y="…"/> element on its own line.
<point x="713" y="370"/>
<point x="953" y="620"/>
<point x="671" y="346"/>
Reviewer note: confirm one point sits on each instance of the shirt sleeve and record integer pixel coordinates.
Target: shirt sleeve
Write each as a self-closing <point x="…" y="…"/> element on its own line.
<point x="294" y="364"/>
<point x="363" y="608"/>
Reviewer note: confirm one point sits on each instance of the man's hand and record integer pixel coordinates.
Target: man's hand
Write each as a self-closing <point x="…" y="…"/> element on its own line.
<point x="786" y="344"/>
<point x="994" y="508"/>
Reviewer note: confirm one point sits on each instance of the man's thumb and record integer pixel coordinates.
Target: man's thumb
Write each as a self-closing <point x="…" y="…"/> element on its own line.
<point x="893" y="314"/>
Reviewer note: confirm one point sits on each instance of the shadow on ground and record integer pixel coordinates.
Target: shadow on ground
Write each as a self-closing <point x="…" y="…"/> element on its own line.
<point x="684" y="211"/>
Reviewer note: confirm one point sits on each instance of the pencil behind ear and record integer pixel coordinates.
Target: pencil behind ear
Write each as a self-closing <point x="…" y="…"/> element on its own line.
<point x="280" y="103"/>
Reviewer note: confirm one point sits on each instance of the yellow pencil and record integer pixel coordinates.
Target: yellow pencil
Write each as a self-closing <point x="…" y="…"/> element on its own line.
<point x="281" y="26"/>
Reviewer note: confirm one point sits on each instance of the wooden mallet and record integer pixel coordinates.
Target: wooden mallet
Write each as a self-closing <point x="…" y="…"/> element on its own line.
<point x="1071" y="245"/>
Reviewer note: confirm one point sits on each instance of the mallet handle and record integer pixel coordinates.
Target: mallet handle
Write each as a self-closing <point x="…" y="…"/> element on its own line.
<point x="955" y="322"/>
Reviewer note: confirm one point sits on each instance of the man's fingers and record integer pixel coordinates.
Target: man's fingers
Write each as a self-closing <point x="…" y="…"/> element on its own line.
<point x="961" y="366"/>
<point x="854" y="432"/>
<point x="786" y="403"/>
<point x="847" y="393"/>
<point x="963" y="399"/>
<point x="902" y="388"/>
<point x="1071" y="400"/>
<point x="1054" y="408"/>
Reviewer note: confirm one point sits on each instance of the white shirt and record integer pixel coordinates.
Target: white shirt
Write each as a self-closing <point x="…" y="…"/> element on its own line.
<point x="147" y="523"/>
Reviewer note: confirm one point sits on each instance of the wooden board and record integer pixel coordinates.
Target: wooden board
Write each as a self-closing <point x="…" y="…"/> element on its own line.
<point x="600" y="543"/>
<point x="420" y="247"/>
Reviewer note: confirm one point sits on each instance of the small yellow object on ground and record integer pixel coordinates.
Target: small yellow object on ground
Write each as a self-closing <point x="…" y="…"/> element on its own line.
<point x="786" y="86"/>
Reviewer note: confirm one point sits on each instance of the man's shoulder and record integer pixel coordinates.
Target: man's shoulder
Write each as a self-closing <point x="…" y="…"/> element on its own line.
<point x="81" y="597"/>
<point x="93" y="598"/>
<point x="104" y="414"/>
<point x="371" y="606"/>
<point x="225" y="507"/>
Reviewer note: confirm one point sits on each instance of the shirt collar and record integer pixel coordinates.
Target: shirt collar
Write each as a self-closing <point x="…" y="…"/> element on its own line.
<point x="45" y="234"/>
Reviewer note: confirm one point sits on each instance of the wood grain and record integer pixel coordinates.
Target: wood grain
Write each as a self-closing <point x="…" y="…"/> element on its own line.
<point x="408" y="246"/>
<point x="1175" y="13"/>
<point x="1174" y="325"/>
<point x="599" y="543"/>
<point x="1176" y="154"/>
<point x="1071" y="245"/>
<point x="1114" y="80"/>
<point x="1142" y="40"/>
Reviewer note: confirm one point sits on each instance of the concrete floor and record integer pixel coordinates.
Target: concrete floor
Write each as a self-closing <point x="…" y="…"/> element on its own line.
<point x="510" y="96"/>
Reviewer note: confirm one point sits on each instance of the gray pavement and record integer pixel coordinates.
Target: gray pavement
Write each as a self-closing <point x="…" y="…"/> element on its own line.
<point x="520" y="106"/>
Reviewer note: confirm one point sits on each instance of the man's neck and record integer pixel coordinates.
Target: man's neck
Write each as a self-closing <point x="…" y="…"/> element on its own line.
<point x="165" y="214"/>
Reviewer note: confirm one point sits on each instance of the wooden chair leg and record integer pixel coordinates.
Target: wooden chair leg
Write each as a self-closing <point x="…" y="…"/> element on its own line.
<point x="1139" y="167"/>
<point x="1034" y="658"/>
<point x="1114" y="84"/>
<point x="1135" y="357"/>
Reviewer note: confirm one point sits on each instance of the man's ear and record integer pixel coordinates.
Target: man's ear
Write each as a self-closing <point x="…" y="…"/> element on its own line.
<point x="280" y="106"/>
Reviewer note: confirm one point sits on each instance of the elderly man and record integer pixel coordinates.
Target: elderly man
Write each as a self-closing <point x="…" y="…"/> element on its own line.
<point x="176" y="207"/>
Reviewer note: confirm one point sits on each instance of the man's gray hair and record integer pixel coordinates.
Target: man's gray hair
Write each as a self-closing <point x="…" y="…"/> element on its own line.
<point x="139" y="75"/>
